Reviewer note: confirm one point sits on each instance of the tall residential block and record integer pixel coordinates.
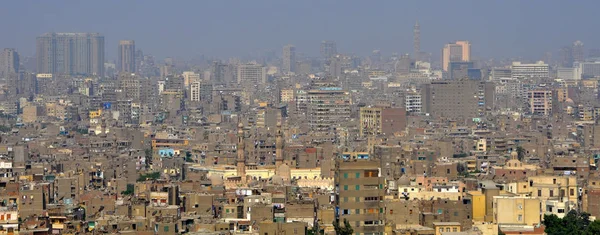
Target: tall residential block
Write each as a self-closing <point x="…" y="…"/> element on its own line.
<point x="9" y="62"/>
<point x="127" y="56"/>
<point x="457" y="51"/>
<point x="327" y="108"/>
<point x="70" y="53"/>
<point x="458" y="99"/>
<point x="289" y="59"/>
<point x="540" y="102"/>
<point x="359" y="193"/>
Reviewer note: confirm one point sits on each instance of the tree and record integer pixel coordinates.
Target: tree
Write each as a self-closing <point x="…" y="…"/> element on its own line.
<point x="520" y="153"/>
<point x="346" y="230"/>
<point x="130" y="190"/>
<point x="573" y="223"/>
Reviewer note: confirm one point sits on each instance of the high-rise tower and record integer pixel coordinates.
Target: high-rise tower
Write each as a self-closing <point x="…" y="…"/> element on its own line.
<point x="241" y="153"/>
<point x="71" y="54"/>
<point x="417" y="40"/>
<point x="127" y="56"/>
<point x="289" y="59"/>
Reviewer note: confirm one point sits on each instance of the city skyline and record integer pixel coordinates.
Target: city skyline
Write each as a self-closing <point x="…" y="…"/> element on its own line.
<point x="381" y="27"/>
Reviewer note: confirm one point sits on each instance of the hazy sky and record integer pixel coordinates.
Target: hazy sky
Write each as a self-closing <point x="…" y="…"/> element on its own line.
<point x="230" y="28"/>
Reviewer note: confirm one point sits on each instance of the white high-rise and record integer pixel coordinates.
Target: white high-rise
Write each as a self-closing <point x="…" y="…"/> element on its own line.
<point x="523" y="71"/>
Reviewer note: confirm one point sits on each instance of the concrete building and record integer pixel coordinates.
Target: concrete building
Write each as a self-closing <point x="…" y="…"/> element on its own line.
<point x="459" y="70"/>
<point x="328" y="49"/>
<point x="195" y="91"/>
<point x="457" y="99"/>
<point x="359" y="195"/>
<point x="127" y="56"/>
<point x="289" y="59"/>
<point x="517" y="210"/>
<point x="568" y="73"/>
<point x="587" y="69"/>
<point x="413" y="103"/>
<point x="327" y="108"/>
<point x="9" y="62"/>
<point x="381" y="121"/>
<point x="540" y="102"/>
<point x="190" y="77"/>
<point x="251" y="73"/>
<point x="500" y="73"/>
<point x="457" y="51"/>
<point x="286" y="95"/>
<point x="523" y="71"/>
<point x="70" y="53"/>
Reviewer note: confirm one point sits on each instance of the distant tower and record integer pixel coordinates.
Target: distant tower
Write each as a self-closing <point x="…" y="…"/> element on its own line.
<point x="578" y="51"/>
<point x="417" y="40"/>
<point x="289" y="59"/>
<point x="278" y="147"/>
<point x="241" y="153"/>
<point x="127" y="56"/>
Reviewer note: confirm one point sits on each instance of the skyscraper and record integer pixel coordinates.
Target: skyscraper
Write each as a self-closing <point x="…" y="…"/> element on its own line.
<point x="328" y="49"/>
<point x="70" y="53"/>
<point x="458" y="51"/>
<point x="417" y="40"/>
<point x="9" y="62"/>
<point x="578" y="51"/>
<point x="127" y="56"/>
<point x="289" y="59"/>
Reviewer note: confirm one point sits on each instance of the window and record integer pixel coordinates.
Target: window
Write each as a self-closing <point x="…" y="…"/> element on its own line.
<point x="357" y="175"/>
<point x="448" y="230"/>
<point x="345" y="199"/>
<point x="226" y="210"/>
<point x="380" y="186"/>
<point x="345" y="212"/>
<point x="520" y="218"/>
<point x="456" y="213"/>
<point x="551" y="193"/>
<point x="371" y="173"/>
<point x="561" y="210"/>
<point x="357" y="199"/>
<point x="357" y="211"/>
<point x="441" y="230"/>
<point x="539" y="192"/>
<point x="572" y="192"/>
<point x="380" y="210"/>
<point x="454" y="230"/>
<point x="345" y="187"/>
<point x="345" y="175"/>
<point x="357" y="187"/>
<point x="391" y="212"/>
<point x="166" y="228"/>
<point x="371" y="199"/>
<point x="553" y="181"/>
<point x="440" y="211"/>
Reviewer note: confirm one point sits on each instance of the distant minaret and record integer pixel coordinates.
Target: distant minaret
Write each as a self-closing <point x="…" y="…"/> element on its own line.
<point x="241" y="153"/>
<point x="278" y="147"/>
<point x="417" y="40"/>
